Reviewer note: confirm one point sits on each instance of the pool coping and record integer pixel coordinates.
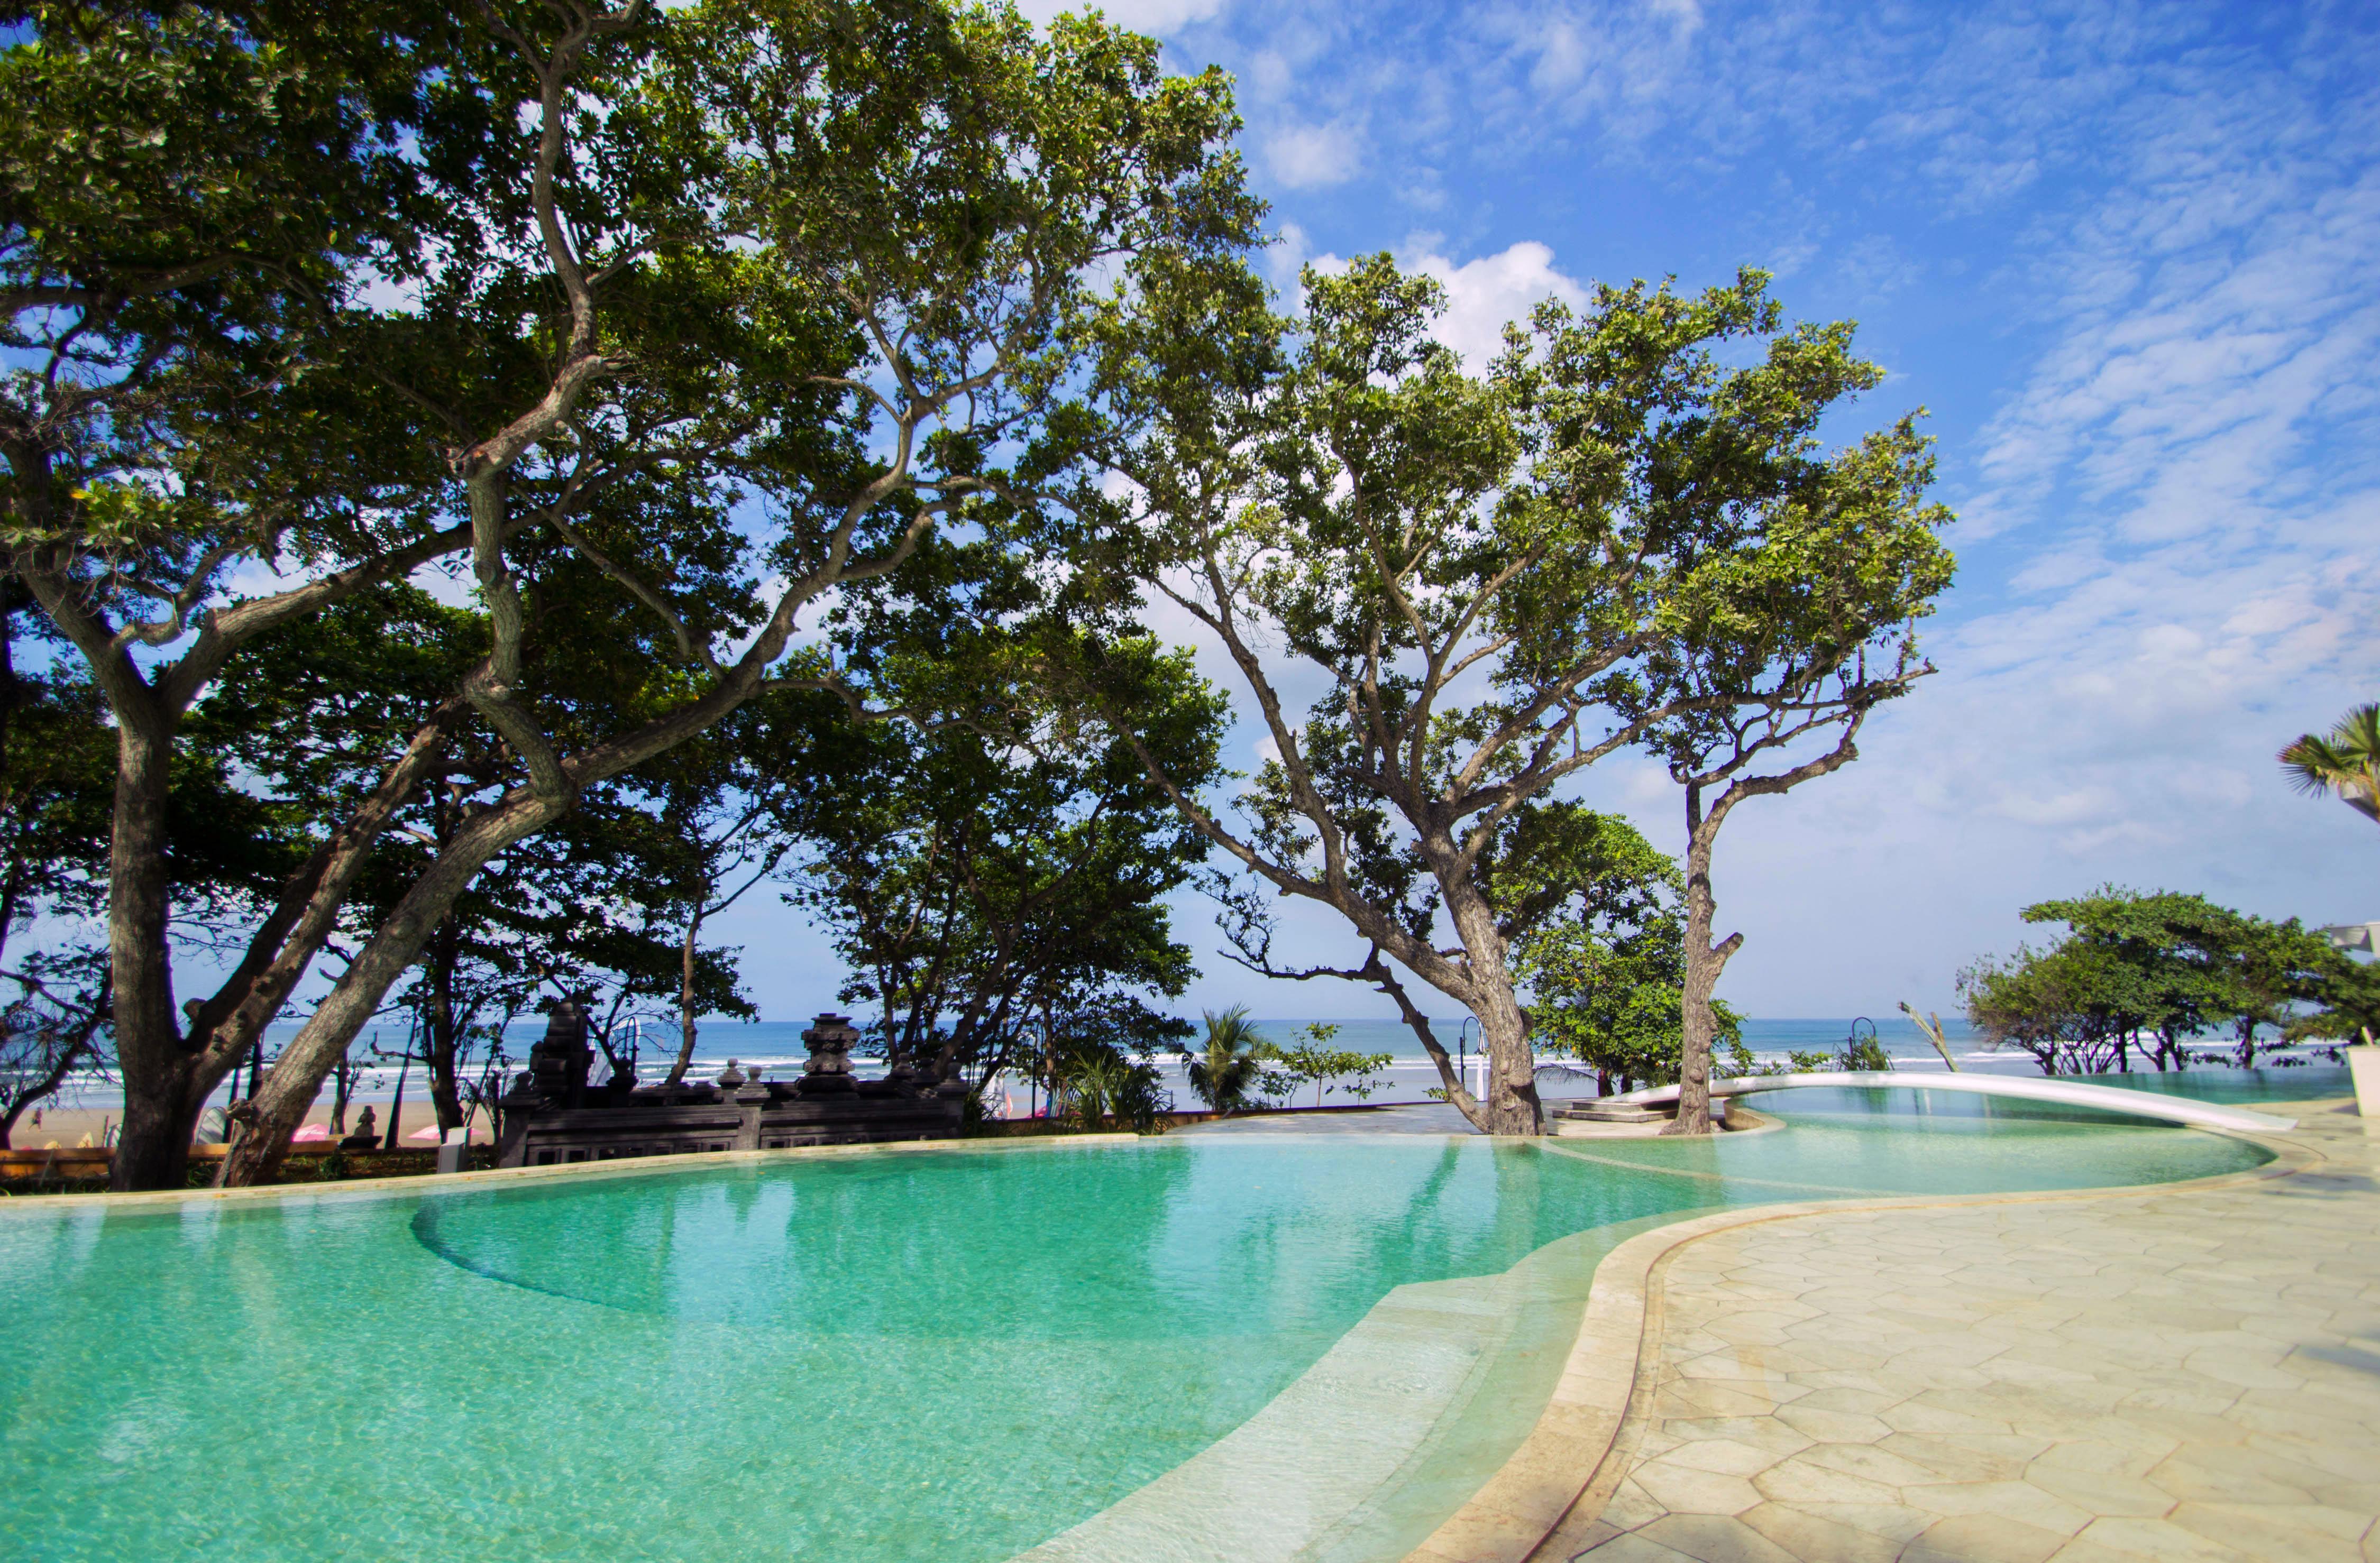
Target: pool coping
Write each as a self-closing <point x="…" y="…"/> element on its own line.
<point x="1570" y="1462"/>
<point x="500" y="1177"/>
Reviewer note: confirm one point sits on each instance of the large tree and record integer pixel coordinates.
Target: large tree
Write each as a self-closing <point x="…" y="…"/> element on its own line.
<point x="1792" y="614"/>
<point x="2147" y="971"/>
<point x="843" y="245"/>
<point x="1491" y="578"/>
<point x="186" y="191"/>
<point x="994" y="894"/>
<point x="679" y="319"/>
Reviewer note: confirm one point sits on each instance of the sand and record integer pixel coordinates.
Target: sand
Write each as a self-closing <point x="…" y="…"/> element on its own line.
<point x="67" y="1126"/>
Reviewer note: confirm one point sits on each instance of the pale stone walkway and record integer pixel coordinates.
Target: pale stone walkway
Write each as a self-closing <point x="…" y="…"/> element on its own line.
<point x="2176" y="1376"/>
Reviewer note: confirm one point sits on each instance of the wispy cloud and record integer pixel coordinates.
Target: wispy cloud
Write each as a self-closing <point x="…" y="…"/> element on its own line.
<point x="1160" y="17"/>
<point x="1304" y="157"/>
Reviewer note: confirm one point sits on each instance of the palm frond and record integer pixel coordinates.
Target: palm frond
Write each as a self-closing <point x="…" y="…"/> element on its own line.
<point x="2346" y="761"/>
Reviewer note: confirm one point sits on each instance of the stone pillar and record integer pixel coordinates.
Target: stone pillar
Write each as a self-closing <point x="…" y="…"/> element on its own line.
<point x="750" y="1102"/>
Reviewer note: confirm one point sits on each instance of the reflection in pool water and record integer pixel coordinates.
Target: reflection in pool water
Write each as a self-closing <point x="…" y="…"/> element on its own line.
<point x="951" y="1355"/>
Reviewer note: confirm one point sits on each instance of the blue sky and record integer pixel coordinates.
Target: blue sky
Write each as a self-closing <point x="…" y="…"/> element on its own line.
<point x="2123" y="253"/>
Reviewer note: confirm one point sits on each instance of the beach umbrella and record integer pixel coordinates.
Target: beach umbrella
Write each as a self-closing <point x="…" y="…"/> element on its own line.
<point x="311" y="1131"/>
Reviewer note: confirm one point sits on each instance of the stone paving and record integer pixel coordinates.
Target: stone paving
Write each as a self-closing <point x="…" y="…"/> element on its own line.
<point x="2186" y="1376"/>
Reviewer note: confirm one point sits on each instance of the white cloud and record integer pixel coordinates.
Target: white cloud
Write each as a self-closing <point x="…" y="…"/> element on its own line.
<point x="1141" y="16"/>
<point x="1306" y="157"/>
<point x="1288" y="257"/>
<point x="1482" y="295"/>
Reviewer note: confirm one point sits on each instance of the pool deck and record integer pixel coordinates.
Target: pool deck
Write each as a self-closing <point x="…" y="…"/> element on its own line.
<point x="2191" y="1373"/>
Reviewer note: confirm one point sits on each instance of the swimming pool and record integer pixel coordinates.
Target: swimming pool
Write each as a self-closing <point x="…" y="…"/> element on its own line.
<point x="950" y="1354"/>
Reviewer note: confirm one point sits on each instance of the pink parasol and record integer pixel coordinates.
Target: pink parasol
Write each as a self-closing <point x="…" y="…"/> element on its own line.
<point x="311" y="1132"/>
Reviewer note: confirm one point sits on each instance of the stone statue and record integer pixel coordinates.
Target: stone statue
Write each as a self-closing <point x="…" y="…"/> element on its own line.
<point x="366" y="1137"/>
<point x="730" y="1077"/>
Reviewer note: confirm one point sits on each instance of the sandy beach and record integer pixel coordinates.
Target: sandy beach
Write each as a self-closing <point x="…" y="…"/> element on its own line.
<point x="65" y="1127"/>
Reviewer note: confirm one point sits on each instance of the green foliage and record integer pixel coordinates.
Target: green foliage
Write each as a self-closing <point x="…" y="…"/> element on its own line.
<point x="678" y="319"/>
<point x="1108" y="1081"/>
<point x="2347" y="1004"/>
<point x="2345" y="761"/>
<point x="989" y="888"/>
<point x="1226" y="1068"/>
<point x="1594" y="916"/>
<point x="1864" y="1055"/>
<point x="1623" y="519"/>
<point x="1313" y="1061"/>
<point x="2147" y="971"/>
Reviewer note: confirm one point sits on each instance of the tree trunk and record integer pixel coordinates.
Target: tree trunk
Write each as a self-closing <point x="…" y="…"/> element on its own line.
<point x="440" y="1038"/>
<point x="445" y="1091"/>
<point x="1512" y="1105"/>
<point x="1704" y="961"/>
<point x="257" y="1153"/>
<point x="396" y="1102"/>
<point x="686" y="1026"/>
<point x="165" y="1081"/>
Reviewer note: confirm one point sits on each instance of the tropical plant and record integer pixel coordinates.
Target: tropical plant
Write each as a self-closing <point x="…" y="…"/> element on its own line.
<point x="2346" y="760"/>
<point x="1226" y="1068"/>
<point x="1931" y="1024"/>
<point x="1313" y="1061"/>
<point x="1862" y="1054"/>
<point x="1104" y="1084"/>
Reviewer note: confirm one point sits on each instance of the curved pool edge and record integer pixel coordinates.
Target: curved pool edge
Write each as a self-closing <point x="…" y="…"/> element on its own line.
<point x="1569" y="1464"/>
<point x="505" y="1176"/>
<point x="2061" y="1092"/>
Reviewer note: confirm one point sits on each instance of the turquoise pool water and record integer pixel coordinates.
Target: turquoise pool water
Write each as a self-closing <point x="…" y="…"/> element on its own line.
<point x="948" y="1355"/>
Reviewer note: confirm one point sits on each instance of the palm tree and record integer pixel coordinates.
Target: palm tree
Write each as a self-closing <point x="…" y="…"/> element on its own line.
<point x="2347" y="761"/>
<point x="1223" y="1072"/>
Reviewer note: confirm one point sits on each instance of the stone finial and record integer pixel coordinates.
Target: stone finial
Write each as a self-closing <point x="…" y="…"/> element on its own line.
<point x="830" y="1038"/>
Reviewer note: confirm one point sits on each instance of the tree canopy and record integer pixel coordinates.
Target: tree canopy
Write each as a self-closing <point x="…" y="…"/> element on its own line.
<point x="1611" y="539"/>
<point x="654" y="327"/>
<point x="2147" y="973"/>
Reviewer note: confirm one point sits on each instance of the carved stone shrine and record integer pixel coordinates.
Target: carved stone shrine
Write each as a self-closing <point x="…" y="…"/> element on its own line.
<point x="553" y="1115"/>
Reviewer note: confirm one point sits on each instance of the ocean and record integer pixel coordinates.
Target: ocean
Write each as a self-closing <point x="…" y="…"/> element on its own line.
<point x="776" y="1046"/>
